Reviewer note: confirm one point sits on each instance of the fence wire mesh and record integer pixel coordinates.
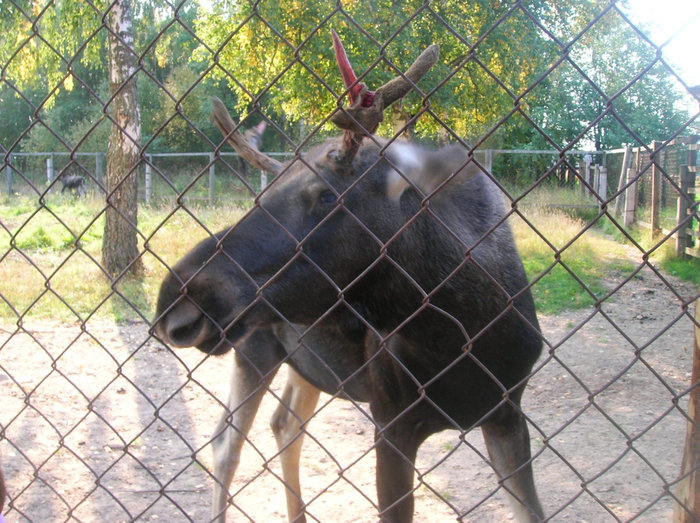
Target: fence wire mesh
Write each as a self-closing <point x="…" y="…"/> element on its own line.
<point x="102" y="421"/>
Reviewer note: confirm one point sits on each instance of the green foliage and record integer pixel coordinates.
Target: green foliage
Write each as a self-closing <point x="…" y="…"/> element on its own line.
<point x="279" y="54"/>
<point x="503" y="68"/>
<point x="294" y="43"/>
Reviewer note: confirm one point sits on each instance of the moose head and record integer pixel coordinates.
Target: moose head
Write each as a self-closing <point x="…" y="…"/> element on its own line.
<point x="348" y="187"/>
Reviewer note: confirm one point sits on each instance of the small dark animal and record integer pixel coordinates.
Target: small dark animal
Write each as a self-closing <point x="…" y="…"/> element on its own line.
<point x="381" y="272"/>
<point x="73" y="183"/>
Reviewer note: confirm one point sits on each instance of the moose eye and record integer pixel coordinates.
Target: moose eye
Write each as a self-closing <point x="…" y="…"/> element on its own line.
<point x="327" y="197"/>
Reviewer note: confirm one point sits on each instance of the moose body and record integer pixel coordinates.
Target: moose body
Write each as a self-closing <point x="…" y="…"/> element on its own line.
<point x="72" y="183"/>
<point x="382" y="272"/>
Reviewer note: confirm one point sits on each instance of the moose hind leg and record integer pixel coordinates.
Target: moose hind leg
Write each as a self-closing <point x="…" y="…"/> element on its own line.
<point x="508" y="443"/>
<point x="247" y="390"/>
<point x="297" y="405"/>
<point x="396" y="455"/>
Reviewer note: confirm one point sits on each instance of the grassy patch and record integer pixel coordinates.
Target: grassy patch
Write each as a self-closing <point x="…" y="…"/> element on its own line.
<point x="568" y="268"/>
<point x="50" y="254"/>
<point x="559" y="214"/>
<point x="54" y="252"/>
<point x="688" y="270"/>
<point x="664" y="256"/>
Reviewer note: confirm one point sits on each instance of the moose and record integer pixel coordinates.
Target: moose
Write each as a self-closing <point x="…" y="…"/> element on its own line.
<point x="379" y="271"/>
<point x="73" y="183"/>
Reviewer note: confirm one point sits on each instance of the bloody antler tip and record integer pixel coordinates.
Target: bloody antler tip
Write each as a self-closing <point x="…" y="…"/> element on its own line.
<point x="349" y="77"/>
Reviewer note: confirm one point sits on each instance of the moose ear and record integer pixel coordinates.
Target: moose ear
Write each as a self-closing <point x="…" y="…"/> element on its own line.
<point x="427" y="170"/>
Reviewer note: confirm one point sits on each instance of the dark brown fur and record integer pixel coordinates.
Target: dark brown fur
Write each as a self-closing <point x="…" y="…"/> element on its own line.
<point x="379" y="271"/>
<point x="73" y="183"/>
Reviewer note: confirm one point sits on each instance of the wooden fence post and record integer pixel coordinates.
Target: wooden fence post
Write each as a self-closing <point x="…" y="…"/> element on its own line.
<point x="630" y="197"/>
<point x="620" y="200"/>
<point x="682" y="221"/>
<point x="687" y="509"/>
<point x="655" y="191"/>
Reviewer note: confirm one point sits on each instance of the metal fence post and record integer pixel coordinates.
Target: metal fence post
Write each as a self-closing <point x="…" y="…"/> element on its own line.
<point x="587" y="176"/>
<point x="148" y="181"/>
<point x="49" y="169"/>
<point x="620" y="200"/>
<point x="596" y="179"/>
<point x="212" y="174"/>
<point x="98" y="167"/>
<point x="603" y="183"/>
<point x="582" y="177"/>
<point x="9" y="174"/>
<point x="630" y="197"/>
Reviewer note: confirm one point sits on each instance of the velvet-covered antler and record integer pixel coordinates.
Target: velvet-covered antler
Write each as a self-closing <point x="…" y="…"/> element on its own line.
<point x="249" y="152"/>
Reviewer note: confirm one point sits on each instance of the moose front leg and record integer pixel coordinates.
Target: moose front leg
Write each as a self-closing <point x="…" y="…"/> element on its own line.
<point x="508" y="443"/>
<point x="297" y="405"/>
<point x="249" y="383"/>
<point x="396" y="450"/>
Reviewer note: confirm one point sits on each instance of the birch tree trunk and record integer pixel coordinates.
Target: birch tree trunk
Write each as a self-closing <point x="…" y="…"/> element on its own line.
<point x="120" y="246"/>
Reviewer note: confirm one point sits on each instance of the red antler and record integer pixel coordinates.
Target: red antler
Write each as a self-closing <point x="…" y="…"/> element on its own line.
<point x="366" y="109"/>
<point x="349" y="77"/>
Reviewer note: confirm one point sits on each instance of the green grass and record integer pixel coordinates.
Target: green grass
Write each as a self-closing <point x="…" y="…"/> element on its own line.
<point x="565" y="274"/>
<point x="688" y="270"/>
<point x="50" y="255"/>
<point x="664" y="255"/>
<point x="602" y="251"/>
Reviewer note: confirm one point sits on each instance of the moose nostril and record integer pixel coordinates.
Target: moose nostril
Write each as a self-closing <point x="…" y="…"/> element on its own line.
<point x="185" y="335"/>
<point x="184" y="325"/>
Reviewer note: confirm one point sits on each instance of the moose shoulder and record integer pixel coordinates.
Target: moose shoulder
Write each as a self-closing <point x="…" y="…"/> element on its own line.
<point x="384" y="272"/>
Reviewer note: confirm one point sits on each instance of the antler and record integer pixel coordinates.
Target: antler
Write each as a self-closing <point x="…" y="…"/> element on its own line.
<point x="222" y="119"/>
<point x="366" y="108"/>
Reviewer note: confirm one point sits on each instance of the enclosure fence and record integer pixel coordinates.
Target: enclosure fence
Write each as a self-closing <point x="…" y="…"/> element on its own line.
<point x="102" y="421"/>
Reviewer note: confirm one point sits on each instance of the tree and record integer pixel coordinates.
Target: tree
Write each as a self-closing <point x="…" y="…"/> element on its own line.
<point x="613" y="86"/>
<point x="47" y="52"/>
<point x="119" y="246"/>
<point x="497" y="58"/>
<point x="278" y="54"/>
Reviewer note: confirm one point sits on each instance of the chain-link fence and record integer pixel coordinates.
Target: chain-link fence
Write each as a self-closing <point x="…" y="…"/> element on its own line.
<point x="102" y="421"/>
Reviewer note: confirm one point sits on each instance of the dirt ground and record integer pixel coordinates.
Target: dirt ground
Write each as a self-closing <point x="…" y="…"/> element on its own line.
<point x="103" y="423"/>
